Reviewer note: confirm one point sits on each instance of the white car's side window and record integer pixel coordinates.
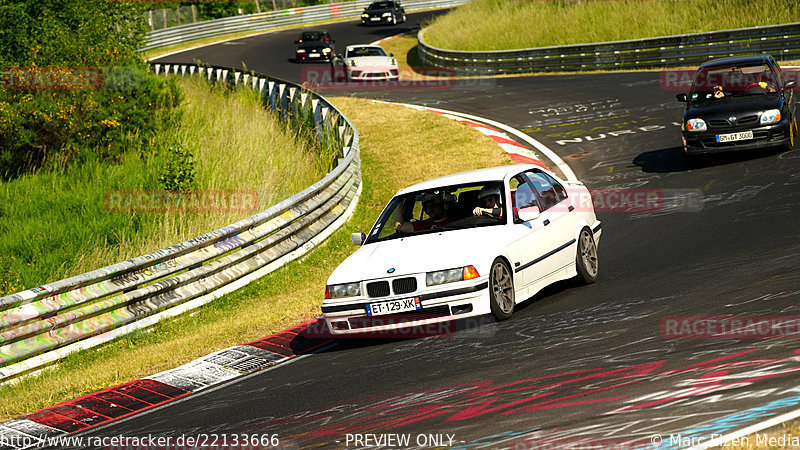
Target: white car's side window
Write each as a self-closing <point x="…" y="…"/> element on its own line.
<point x="522" y="195"/>
<point x="550" y="190"/>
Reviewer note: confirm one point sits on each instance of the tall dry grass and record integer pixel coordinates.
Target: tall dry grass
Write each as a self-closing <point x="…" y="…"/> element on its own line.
<point x="237" y="145"/>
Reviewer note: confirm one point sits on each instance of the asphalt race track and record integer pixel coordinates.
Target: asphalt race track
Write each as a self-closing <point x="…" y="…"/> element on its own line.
<point x="596" y="363"/>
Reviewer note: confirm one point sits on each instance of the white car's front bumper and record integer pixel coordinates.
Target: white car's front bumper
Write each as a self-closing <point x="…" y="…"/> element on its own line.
<point x="440" y="306"/>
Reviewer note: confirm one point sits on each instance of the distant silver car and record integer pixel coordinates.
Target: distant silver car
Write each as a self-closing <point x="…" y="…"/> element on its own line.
<point x="365" y="62"/>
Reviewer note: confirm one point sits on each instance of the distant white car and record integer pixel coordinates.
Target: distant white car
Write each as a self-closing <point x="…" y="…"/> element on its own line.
<point x="365" y="62"/>
<point x="429" y="258"/>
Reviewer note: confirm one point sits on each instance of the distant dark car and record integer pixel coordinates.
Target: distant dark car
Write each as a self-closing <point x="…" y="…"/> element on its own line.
<point x="315" y="45"/>
<point x="383" y="12"/>
<point x="738" y="103"/>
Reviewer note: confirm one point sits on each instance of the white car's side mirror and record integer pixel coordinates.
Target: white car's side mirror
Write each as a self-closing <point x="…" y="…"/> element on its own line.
<point x="528" y="214"/>
<point x="358" y="238"/>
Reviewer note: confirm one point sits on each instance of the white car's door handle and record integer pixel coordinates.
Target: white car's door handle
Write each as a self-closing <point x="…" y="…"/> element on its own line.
<point x="546" y="222"/>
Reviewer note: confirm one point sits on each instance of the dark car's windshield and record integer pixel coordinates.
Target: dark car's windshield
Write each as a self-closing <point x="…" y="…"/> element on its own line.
<point x="312" y="36"/>
<point x="381" y="5"/>
<point x="438" y="210"/>
<point x="722" y="82"/>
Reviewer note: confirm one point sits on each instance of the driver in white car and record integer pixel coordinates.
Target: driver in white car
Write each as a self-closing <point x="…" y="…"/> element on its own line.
<point x="489" y="199"/>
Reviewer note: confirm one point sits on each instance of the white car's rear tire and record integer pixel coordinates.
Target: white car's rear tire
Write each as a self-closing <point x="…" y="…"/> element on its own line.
<point x="586" y="261"/>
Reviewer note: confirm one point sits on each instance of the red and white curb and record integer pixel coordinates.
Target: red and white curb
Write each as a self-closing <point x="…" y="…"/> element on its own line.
<point x="38" y="429"/>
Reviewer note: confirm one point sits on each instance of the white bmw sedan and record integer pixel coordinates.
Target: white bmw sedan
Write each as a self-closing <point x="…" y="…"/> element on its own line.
<point x="366" y="62"/>
<point x="463" y="245"/>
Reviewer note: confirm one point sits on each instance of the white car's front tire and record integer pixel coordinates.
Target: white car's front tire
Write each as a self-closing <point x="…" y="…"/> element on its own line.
<point x="501" y="290"/>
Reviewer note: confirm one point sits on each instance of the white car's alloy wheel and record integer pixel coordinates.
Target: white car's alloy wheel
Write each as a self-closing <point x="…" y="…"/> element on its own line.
<point x="586" y="260"/>
<point x="501" y="290"/>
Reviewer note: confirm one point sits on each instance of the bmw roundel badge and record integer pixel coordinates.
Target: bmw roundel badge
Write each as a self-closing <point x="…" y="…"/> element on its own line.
<point x="390" y="270"/>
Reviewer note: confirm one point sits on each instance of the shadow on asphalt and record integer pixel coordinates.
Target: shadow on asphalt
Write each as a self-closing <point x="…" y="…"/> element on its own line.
<point x="673" y="160"/>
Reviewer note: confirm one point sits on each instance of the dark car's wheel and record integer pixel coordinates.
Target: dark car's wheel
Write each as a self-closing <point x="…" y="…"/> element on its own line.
<point x="404" y="18"/>
<point x="586" y="261"/>
<point x="792" y="134"/>
<point x="394" y="19"/>
<point x="501" y="290"/>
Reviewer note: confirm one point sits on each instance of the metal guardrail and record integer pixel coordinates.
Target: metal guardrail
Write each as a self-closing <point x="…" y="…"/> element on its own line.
<point x="254" y="23"/>
<point x="781" y="41"/>
<point x="77" y="309"/>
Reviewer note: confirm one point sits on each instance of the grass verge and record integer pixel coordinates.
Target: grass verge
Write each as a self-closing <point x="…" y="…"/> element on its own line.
<point x="293" y="293"/>
<point x="563" y="23"/>
<point x="55" y="223"/>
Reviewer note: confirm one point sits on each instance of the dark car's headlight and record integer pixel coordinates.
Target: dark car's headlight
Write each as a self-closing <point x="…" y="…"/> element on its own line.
<point x="300" y="50"/>
<point x="770" y="116"/>
<point x="386" y="14"/>
<point x="343" y="290"/>
<point x="451" y="275"/>
<point x="365" y="15"/>
<point x="696" y="125"/>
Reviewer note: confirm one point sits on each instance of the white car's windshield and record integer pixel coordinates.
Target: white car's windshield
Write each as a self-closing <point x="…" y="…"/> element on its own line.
<point x="440" y="210"/>
<point x="356" y="52"/>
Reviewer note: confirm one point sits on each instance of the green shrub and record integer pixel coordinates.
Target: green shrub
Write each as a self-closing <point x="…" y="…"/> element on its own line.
<point x="178" y="172"/>
<point x="75" y="86"/>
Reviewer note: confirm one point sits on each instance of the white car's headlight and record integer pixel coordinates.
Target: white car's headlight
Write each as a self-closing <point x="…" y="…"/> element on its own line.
<point x="353" y="62"/>
<point x="386" y="14"/>
<point x="451" y="275"/>
<point x="696" y="125"/>
<point x="343" y="290"/>
<point x="392" y="62"/>
<point x="770" y="116"/>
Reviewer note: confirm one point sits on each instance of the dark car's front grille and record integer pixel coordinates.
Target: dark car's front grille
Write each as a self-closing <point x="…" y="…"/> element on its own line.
<point x="378" y="289"/>
<point x="404" y="285"/>
<point x="747" y="120"/>
<point x="718" y="123"/>
<point x="739" y="122"/>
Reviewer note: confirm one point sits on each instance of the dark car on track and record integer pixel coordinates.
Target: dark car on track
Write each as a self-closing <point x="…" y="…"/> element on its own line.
<point x="383" y="12"/>
<point x="738" y="103"/>
<point x="314" y="45"/>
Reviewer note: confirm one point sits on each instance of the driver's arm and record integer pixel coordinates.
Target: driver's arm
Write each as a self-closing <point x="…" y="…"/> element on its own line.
<point x="399" y="224"/>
